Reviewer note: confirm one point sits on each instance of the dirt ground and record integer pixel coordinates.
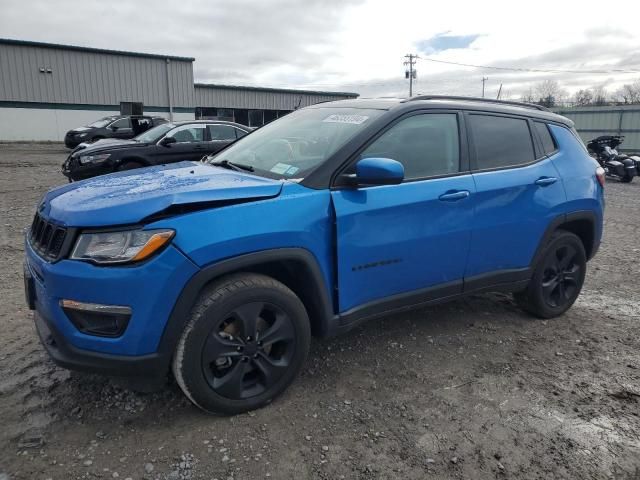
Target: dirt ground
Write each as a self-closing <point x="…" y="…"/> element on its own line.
<point x="470" y="389"/>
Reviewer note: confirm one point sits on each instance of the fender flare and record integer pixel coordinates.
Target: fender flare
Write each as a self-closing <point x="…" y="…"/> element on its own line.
<point x="557" y="223"/>
<point x="190" y="292"/>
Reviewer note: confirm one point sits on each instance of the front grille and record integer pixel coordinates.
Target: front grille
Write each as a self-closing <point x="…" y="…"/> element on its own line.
<point x="46" y="238"/>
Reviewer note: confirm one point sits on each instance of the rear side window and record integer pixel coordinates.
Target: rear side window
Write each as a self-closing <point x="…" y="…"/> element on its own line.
<point x="548" y="144"/>
<point x="501" y="141"/>
<point x="427" y="145"/>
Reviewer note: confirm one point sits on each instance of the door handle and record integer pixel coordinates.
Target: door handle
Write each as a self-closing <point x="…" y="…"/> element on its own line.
<point x="545" y="181"/>
<point x="454" y="196"/>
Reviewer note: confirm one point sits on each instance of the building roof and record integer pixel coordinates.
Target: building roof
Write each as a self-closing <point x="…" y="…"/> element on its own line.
<point x="275" y="90"/>
<point x="27" y="43"/>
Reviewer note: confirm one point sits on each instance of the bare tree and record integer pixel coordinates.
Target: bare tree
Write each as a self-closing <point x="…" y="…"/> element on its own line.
<point x="528" y="96"/>
<point x="583" y="97"/>
<point x="549" y="93"/>
<point x="628" y="93"/>
<point x="600" y="95"/>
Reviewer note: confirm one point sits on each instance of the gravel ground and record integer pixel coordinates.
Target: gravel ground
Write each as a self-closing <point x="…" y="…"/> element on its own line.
<point x="470" y="389"/>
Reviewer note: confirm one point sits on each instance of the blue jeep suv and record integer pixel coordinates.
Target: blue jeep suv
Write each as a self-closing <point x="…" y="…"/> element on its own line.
<point x="221" y="271"/>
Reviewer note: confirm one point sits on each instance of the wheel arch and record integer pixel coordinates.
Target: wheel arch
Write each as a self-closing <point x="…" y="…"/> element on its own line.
<point x="582" y="224"/>
<point x="132" y="158"/>
<point x="296" y="268"/>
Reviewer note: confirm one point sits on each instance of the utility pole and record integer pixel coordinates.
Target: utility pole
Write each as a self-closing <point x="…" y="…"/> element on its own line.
<point x="484" y="79"/>
<point x="411" y="72"/>
<point x="499" y="92"/>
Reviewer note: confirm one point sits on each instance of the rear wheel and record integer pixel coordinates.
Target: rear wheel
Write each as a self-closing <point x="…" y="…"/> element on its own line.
<point x="557" y="279"/>
<point x="246" y="341"/>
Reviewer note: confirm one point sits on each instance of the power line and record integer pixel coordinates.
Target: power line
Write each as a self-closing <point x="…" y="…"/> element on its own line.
<point x="534" y="70"/>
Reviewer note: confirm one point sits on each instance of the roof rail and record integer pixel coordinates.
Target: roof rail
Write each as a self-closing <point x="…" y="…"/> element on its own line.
<point x="479" y="99"/>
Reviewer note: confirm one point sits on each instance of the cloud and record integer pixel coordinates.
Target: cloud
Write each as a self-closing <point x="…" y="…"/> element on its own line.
<point x="445" y="41"/>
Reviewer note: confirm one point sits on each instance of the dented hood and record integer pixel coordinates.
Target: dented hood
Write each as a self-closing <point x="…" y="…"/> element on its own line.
<point x="131" y="196"/>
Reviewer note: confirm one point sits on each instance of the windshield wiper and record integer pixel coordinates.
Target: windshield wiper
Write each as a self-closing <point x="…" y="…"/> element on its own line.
<point x="238" y="167"/>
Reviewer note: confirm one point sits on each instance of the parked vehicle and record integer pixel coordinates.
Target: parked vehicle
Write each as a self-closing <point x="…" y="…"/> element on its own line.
<point x="616" y="165"/>
<point x="221" y="271"/>
<point x="117" y="126"/>
<point x="166" y="143"/>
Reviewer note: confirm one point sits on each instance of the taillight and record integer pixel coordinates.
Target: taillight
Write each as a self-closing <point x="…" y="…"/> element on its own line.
<point x="600" y="176"/>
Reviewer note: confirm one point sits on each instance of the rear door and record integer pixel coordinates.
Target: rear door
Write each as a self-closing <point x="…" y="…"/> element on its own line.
<point x="519" y="192"/>
<point x="407" y="238"/>
<point x="220" y="136"/>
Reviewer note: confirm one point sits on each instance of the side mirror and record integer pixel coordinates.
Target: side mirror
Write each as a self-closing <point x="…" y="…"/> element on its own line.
<point x="377" y="171"/>
<point x="166" y="141"/>
<point x="114" y="129"/>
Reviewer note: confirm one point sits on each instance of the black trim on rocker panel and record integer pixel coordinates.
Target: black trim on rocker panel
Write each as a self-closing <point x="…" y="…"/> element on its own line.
<point x="508" y="280"/>
<point x="398" y="303"/>
<point x="181" y="310"/>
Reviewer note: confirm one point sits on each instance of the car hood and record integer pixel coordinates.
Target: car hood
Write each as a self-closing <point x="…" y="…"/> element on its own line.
<point x="106" y="145"/>
<point x="131" y="196"/>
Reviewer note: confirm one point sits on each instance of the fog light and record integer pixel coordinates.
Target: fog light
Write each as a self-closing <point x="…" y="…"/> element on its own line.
<point x="97" y="319"/>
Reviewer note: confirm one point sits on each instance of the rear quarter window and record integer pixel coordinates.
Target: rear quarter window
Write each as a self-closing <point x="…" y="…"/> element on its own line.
<point x="501" y="141"/>
<point x="548" y="143"/>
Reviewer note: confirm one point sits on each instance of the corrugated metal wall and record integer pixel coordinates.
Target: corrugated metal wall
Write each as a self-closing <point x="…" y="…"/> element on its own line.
<point x="82" y="77"/>
<point x="594" y="121"/>
<point x="237" y="97"/>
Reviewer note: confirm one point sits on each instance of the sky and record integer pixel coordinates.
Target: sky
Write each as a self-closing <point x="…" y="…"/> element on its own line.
<point x="356" y="45"/>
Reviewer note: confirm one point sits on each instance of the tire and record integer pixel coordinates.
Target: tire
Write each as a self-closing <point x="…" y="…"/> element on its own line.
<point x="246" y="340"/>
<point x="557" y="279"/>
<point x="130" y="165"/>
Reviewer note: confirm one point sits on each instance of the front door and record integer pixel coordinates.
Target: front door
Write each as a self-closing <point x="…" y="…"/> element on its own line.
<point x="413" y="237"/>
<point x="189" y="145"/>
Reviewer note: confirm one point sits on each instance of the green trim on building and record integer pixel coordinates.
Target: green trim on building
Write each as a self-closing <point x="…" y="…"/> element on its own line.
<point x="27" y="43"/>
<point x="276" y="90"/>
<point x="87" y="106"/>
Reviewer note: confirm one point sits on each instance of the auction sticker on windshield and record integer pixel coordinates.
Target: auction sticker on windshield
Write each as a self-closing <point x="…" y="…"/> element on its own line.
<point x="353" y="119"/>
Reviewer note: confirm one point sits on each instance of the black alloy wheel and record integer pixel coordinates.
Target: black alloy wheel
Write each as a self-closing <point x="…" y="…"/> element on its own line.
<point x="249" y="350"/>
<point x="247" y="338"/>
<point x="557" y="277"/>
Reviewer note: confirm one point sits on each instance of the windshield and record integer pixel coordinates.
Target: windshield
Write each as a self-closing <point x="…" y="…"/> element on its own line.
<point x="294" y="145"/>
<point x="103" y="122"/>
<point x="154" y="134"/>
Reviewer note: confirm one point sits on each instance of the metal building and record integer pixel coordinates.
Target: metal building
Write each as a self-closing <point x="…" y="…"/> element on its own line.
<point x="592" y="121"/>
<point x="255" y="106"/>
<point x="48" y="89"/>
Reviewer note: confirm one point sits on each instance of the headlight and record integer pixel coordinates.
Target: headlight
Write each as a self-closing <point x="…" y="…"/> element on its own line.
<point x="81" y="135"/>
<point x="84" y="159"/>
<point x="120" y="247"/>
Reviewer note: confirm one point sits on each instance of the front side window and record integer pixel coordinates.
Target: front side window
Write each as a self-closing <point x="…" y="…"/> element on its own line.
<point x="121" y="123"/>
<point x="427" y="145"/>
<point x="501" y="141"/>
<point x="103" y="122"/>
<point x="221" y="132"/>
<point x="188" y="133"/>
<point x="293" y="146"/>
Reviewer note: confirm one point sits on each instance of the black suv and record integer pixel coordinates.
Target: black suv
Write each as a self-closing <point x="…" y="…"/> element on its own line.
<point x="119" y="126"/>
<point x="166" y="143"/>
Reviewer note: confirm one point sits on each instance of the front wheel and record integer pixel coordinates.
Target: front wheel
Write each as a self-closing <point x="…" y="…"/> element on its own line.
<point x="557" y="278"/>
<point x="245" y="342"/>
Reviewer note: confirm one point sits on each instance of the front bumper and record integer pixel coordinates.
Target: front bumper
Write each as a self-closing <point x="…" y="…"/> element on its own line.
<point x="66" y="355"/>
<point x="150" y="289"/>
